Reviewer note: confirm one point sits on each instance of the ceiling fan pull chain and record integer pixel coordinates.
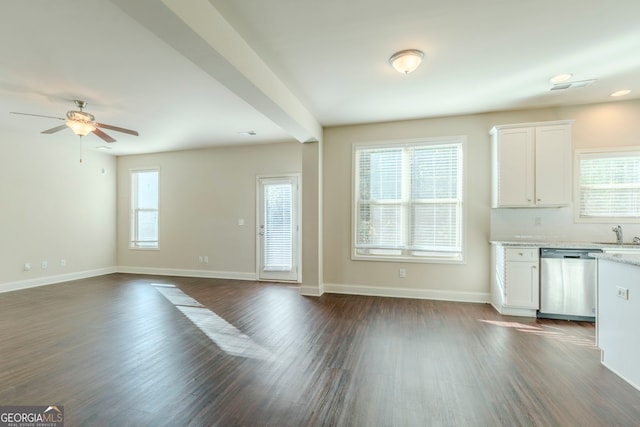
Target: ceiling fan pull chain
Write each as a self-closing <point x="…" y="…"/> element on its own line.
<point x="80" y="149"/>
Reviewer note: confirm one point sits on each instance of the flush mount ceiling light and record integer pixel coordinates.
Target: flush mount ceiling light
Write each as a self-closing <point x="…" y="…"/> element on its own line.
<point x="560" y="78"/>
<point x="406" y="61"/>
<point x="621" y="93"/>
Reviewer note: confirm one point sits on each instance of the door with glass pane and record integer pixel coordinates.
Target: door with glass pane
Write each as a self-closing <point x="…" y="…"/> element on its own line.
<point x="278" y="233"/>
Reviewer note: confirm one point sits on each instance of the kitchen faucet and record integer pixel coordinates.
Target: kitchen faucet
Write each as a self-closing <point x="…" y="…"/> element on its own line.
<point x="618" y="231"/>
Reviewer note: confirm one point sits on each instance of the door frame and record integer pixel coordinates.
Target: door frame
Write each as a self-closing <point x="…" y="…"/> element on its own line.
<point x="298" y="240"/>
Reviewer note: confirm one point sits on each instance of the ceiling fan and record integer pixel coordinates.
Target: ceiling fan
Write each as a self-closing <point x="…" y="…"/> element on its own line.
<point x="81" y="123"/>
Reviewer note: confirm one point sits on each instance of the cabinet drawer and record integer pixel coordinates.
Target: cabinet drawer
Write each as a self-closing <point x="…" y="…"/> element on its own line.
<point x="522" y="254"/>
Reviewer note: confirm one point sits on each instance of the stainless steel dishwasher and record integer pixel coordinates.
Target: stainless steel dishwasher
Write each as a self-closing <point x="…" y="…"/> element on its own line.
<point x="568" y="284"/>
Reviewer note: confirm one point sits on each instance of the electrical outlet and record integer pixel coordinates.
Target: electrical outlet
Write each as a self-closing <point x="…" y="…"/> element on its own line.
<point x="44" y="264"/>
<point x="402" y="273"/>
<point x="200" y="258"/>
<point x="63" y="262"/>
<point x="206" y="259"/>
<point x="26" y="267"/>
<point x="622" y="292"/>
<point x="538" y="221"/>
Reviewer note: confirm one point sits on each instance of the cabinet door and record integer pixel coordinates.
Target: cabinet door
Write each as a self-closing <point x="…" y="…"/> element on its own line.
<point x="515" y="163"/>
<point x="522" y="285"/>
<point x="553" y="165"/>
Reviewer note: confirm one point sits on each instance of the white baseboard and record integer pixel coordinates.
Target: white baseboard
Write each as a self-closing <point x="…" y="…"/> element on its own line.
<point x="50" y="280"/>
<point x="206" y="274"/>
<point x="310" y="291"/>
<point x="631" y="383"/>
<point x="511" y="311"/>
<point x="481" y="297"/>
<point x="313" y="291"/>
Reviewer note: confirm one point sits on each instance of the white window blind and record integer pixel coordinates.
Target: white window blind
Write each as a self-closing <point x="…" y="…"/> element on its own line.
<point x="610" y="185"/>
<point x="278" y="228"/>
<point x="144" y="209"/>
<point x="408" y="201"/>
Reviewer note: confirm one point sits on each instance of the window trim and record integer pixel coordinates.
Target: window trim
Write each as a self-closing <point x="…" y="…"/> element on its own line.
<point x="430" y="259"/>
<point x="614" y="152"/>
<point x="132" y="222"/>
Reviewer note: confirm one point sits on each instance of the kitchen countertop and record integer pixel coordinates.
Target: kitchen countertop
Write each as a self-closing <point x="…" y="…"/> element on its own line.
<point x="628" y="258"/>
<point x="565" y="244"/>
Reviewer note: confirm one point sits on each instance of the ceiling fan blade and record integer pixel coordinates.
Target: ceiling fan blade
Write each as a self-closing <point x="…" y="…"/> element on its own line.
<point x="103" y="135"/>
<point x="117" y="129"/>
<point x="55" y="129"/>
<point x="37" y="115"/>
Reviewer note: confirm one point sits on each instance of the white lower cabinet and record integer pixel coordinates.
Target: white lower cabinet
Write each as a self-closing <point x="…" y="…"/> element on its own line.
<point x="515" y="287"/>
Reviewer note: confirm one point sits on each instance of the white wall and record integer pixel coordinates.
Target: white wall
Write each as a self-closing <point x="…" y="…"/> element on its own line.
<point x="595" y="126"/>
<point x="203" y="194"/>
<point x="54" y="208"/>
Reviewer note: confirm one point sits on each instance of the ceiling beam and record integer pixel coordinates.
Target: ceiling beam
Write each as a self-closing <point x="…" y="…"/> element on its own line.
<point x="201" y="34"/>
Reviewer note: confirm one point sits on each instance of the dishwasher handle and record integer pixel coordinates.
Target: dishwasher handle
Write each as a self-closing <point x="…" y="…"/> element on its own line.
<point x="567" y="253"/>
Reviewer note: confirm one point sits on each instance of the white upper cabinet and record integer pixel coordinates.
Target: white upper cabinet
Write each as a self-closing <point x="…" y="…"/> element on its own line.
<point x="531" y="165"/>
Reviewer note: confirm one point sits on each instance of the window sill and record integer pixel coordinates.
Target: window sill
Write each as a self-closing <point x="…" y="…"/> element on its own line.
<point x="420" y="260"/>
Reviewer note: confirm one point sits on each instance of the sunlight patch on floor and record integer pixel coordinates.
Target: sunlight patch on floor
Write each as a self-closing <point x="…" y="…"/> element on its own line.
<point x="548" y="332"/>
<point x="177" y="297"/>
<point x="226" y="336"/>
<point x="509" y="324"/>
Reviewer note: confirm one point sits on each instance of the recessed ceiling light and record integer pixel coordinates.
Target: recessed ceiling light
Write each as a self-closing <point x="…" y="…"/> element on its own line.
<point x="621" y="92"/>
<point x="248" y="132"/>
<point x="560" y="78"/>
<point x="103" y="147"/>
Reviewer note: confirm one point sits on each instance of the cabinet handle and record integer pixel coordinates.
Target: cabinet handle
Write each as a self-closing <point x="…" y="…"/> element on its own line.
<point x="539" y="200"/>
<point x="520" y="253"/>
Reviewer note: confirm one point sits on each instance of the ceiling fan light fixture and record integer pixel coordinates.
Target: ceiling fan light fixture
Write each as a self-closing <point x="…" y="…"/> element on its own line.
<point x="80" y="128"/>
<point x="80" y="122"/>
<point x="406" y="61"/>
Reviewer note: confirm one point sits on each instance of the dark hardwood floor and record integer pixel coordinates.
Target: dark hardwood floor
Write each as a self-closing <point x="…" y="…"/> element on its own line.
<point x="115" y="352"/>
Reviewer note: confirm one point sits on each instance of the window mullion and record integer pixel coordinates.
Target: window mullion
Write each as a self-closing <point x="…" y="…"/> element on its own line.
<point x="406" y="205"/>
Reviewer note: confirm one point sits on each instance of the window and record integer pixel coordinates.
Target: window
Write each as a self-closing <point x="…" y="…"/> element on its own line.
<point x="609" y="185"/>
<point x="144" y="209"/>
<point x="408" y="202"/>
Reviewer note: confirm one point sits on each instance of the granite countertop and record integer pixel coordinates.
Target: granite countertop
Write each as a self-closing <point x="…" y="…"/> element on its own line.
<point x="625" y="258"/>
<point x="565" y="244"/>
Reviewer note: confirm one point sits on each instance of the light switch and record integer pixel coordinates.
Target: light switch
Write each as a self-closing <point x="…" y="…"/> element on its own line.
<point x="241" y="221"/>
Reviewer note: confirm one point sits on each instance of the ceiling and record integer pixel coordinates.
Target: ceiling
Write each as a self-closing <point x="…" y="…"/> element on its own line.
<point x="196" y="73"/>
